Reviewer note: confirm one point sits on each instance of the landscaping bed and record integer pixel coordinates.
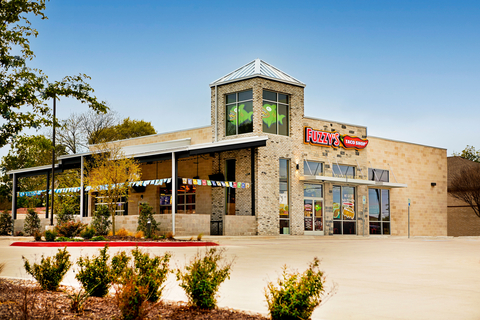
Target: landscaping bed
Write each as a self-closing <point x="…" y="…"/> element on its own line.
<point x="21" y="299"/>
<point x="118" y="241"/>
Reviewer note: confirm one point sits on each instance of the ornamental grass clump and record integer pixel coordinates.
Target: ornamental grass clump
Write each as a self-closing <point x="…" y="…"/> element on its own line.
<point x="51" y="270"/>
<point x="202" y="277"/>
<point x="296" y="295"/>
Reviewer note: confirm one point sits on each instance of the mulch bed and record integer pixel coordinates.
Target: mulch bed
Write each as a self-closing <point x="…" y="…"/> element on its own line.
<point x="120" y="241"/>
<point x="23" y="299"/>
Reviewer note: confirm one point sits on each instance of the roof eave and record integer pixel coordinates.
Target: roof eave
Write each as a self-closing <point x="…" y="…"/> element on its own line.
<point x="298" y="84"/>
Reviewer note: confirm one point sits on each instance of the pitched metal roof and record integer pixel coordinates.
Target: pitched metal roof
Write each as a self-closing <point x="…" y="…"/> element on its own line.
<point x="257" y="68"/>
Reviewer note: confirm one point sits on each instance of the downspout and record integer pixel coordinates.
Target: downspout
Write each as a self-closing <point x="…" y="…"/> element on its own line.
<point x="14" y="202"/>
<point x="216" y="113"/>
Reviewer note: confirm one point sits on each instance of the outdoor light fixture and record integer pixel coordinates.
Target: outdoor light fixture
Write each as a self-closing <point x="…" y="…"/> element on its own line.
<point x="298" y="166"/>
<point x="433" y="184"/>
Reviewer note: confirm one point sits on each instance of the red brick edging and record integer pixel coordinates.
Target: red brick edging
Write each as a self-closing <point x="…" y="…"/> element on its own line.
<point x="115" y="244"/>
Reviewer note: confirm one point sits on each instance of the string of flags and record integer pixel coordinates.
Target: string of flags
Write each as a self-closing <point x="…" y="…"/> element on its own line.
<point x="155" y="182"/>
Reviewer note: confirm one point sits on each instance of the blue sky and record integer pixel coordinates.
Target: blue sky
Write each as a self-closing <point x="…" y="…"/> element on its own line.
<point x="408" y="70"/>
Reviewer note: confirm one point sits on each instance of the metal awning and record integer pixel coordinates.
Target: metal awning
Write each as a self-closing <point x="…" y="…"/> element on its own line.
<point x="351" y="181"/>
<point x="151" y="152"/>
<point x="343" y="180"/>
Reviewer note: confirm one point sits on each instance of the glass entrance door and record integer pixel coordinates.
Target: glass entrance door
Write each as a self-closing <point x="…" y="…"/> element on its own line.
<point x="313" y="214"/>
<point x="313" y="209"/>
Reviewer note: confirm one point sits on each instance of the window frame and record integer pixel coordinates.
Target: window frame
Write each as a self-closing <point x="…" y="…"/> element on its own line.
<point x="306" y="165"/>
<point x="381" y="220"/>
<point x="374" y="176"/>
<point x="236" y="103"/>
<point x="277" y="104"/>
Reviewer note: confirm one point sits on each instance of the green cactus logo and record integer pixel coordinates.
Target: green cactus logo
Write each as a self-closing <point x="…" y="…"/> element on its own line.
<point x="269" y="115"/>
<point x="242" y="115"/>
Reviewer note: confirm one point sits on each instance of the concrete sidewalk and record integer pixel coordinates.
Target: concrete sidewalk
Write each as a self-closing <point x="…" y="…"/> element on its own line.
<point x="383" y="278"/>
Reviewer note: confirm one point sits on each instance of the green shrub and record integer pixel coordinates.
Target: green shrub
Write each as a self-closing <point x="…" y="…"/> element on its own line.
<point x="96" y="274"/>
<point x="18" y="233"/>
<point x="296" y="295"/>
<point x="37" y="235"/>
<point x="101" y="221"/>
<point x="202" y="277"/>
<point x="87" y="233"/>
<point x="6" y="223"/>
<point x="131" y="297"/>
<point x="152" y="272"/>
<point x="99" y="238"/>
<point x="66" y="213"/>
<point x="51" y="270"/>
<point x="32" y="222"/>
<point x="50" y="235"/>
<point x="70" y="229"/>
<point x="63" y="239"/>
<point x="146" y="214"/>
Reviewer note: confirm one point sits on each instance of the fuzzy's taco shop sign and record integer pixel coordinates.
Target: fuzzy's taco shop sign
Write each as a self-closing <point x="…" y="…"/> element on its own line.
<point x="333" y="139"/>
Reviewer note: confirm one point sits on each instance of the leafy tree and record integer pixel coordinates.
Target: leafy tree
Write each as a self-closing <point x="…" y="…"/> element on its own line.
<point x="127" y="129"/>
<point x="29" y="151"/>
<point x="465" y="186"/>
<point x="469" y="153"/>
<point x="110" y="174"/>
<point x="24" y="91"/>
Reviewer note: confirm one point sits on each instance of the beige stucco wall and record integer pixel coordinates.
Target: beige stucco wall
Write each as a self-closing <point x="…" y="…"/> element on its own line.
<point x="417" y="166"/>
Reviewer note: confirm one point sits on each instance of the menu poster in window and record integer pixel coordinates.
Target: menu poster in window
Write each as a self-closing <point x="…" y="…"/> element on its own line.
<point x="348" y="206"/>
<point x="336" y="210"/>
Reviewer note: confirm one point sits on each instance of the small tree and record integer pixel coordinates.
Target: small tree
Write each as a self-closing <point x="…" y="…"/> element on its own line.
<point x="101" y="221"/>
<point x="110" y="174"/>
<point x="465" y="186"/>
<point x="6" y="223"/>
<point x="146" y="214"/>
<point x="469" y="153"/>
<point x="32" y="222"/>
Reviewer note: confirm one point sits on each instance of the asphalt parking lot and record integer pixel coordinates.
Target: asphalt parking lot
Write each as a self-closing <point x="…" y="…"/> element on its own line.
<point x="382" y="278"/>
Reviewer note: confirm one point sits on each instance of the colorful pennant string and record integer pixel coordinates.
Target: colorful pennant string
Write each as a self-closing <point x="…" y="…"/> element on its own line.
<point x="155" y="182"/>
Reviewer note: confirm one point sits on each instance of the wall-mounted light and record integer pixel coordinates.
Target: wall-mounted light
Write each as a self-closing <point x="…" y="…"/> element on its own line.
<point x="433" y="184"/>
<point x="297" y="166"/>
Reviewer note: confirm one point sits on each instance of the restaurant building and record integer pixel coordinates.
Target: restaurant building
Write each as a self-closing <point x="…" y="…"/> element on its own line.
<point x="264" y="168"/>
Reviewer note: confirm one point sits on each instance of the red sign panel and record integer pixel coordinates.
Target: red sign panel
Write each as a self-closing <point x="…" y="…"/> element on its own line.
<point x="333" y="139"/>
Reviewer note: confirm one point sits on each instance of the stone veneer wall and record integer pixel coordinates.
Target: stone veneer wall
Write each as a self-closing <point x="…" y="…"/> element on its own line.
<point x="267" y="158"/>
<point x="333" y="156"/>
<point x="198" y="135"/>
<point x="417" y="166"/>
<point x="239" y="226"/>
<point x="462" y="220"/>
<point x="185" y="224"/>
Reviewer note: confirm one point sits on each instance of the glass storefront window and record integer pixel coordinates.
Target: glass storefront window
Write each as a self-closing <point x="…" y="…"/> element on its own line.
<point x="378" y="175"/>
<point x="379" y="211"/>
<point x="239" y="113"/>
<point x="284" y="197"/>
<point x="344" y="211"/>
<point x="313" y="190"/>
<point x="185" y="199"/>
<point x="275" y="113"/>
<point x="312" y="168"/>
<point x="343" y="171"/>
